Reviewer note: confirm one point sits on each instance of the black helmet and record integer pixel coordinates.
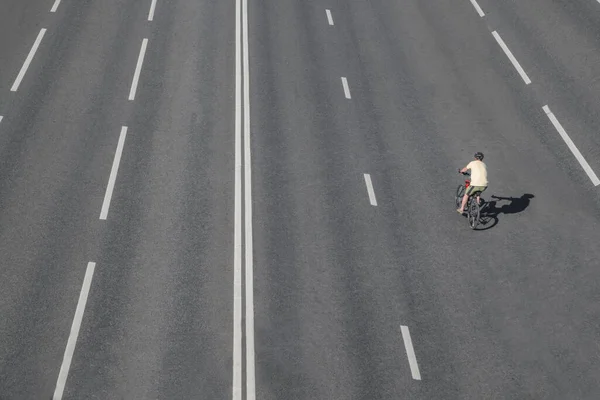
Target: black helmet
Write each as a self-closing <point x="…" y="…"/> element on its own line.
<point x="479" y="155"/>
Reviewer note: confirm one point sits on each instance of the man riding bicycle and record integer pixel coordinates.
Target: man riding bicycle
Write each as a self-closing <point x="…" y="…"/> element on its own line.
<point x="479" y="180"/>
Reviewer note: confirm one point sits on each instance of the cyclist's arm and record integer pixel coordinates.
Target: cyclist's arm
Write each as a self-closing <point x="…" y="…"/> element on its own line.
<point x="465" y="169"/>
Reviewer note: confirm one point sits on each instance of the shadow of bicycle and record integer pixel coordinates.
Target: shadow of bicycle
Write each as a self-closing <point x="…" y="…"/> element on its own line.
<point x="502" y="205"/>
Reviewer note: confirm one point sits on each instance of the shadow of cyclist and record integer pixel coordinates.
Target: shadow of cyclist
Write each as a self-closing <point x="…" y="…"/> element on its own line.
<point x="516" y="205"/>
<point x="491" y="210"/>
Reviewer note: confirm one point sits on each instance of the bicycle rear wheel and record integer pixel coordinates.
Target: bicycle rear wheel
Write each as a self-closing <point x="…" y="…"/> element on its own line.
<point x="460" y="192"/>
<point x="474" y="213"/>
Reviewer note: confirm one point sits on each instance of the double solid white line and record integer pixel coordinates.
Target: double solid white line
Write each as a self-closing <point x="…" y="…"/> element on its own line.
<point x="243" y="221"/>
<point x="25" y="66"/>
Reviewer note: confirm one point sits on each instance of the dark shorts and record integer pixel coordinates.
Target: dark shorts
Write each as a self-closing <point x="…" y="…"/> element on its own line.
<point x="473" y="189"/>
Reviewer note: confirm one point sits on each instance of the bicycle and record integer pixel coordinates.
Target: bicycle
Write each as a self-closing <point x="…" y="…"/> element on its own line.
<point x="473" y="209"/>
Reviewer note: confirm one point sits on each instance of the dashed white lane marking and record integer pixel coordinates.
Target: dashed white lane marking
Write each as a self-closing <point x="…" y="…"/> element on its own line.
<point x="329" y="17"/>
<point x="113" y="174"/>
<point x="70" y="349"/>
<point x="1" y="117"/>
<point x="346" y="88"/>
<point x="55" y="6"/>
<point x="151" y="13"/>
<point x="138" y="69"/>
<point x="370" y="190"/>
<point x="23" y="70"/>
<point x="561" y="131"/>
<point x="477" y="8"/>
<point x="410" y="352"/>
<point x="512" y="58"/>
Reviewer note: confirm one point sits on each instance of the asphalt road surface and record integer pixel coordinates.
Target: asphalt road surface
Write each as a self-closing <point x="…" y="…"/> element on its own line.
<point x="252" y="199"/>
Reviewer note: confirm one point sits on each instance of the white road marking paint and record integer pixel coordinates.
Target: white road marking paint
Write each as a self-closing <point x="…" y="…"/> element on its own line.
<point x="410" y="352"/>
<point x="23" y="70"/>
<point x="346" y="88"/>
<point x="138" y="69"/>
<point x="561" y="131"/>
<point x="237" y="236"/>
<point x="248" y="239"/>
<point x="370" y="190"/>
<point x="243" y="222"/>
<point x="512" y="58"/>
<point x="113" y="174"/>
<point x="151" y="13"/>
<point x="477" y="8"/>
<point x="70" y="349"/>
<point x="55" y="6"/>
<point x="1" y="117"/>
<point x="330" y="18"/>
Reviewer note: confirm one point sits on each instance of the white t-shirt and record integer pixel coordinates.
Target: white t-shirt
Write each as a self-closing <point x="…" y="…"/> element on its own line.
<point x="478" y="173"/>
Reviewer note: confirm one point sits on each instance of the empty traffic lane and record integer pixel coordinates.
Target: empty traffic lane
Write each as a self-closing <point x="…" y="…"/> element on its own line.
<point x="137" y="186"/>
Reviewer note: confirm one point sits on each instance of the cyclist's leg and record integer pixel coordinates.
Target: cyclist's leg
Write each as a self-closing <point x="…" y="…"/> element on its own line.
<point x="480" y="189"/>
<point x="464" y="202"/>
<point x="465" y="199"/>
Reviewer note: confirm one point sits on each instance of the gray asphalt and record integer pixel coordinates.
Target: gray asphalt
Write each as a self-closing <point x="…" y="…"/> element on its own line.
<point x="508" y="311"/>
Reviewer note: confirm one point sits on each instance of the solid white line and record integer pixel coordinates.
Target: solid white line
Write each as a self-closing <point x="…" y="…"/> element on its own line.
<point x="55" y="6"/>
<point x="113" y="174"/>
<point x="512" y="58"/>
<point x="346" y="88"/>
<point x="477" y="8"/>
<point x="561" y="131"/>
<point x="410" y="352"/>
<point x="370" y="190"/>
<point x="237" y="236"/>
<point x="329" y="17"/>
<point x="138" y="69"/>
<point x="248" y="239"/>
<point x="70" y="349"/>
<point x="23" y="70"/>
<point x="151" y="13"/>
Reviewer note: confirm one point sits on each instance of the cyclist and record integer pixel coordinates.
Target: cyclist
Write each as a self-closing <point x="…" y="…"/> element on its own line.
<point x="479" y="180"/>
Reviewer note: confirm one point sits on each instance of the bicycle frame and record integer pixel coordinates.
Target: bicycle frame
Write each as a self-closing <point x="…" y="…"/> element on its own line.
<point x="467" y="184"/>
<point x="467" y="180"/>
<point x="472" y="206"/>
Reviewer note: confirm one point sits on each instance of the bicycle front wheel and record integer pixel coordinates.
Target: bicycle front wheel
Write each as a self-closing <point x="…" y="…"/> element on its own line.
<point x="474" y="213"/>
<point x="460" y="192"/>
